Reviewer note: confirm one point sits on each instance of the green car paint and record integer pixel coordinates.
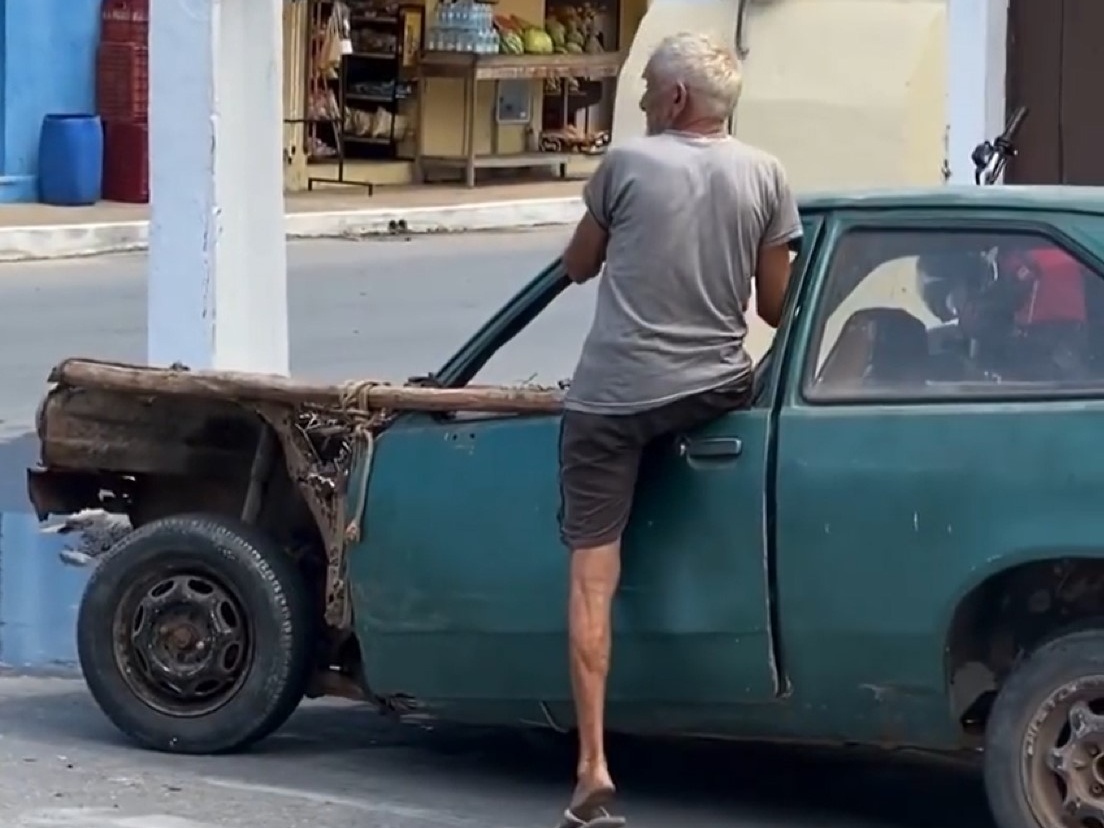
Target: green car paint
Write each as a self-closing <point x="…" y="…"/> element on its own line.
<point x="860" y="571"/>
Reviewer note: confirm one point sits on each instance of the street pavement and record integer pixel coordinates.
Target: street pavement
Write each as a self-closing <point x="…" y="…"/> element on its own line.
<point x="337" y="765"/>
<point x="385" y="309"/>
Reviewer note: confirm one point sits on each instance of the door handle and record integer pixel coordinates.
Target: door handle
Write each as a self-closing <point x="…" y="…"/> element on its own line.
<point x="711" y="448"/>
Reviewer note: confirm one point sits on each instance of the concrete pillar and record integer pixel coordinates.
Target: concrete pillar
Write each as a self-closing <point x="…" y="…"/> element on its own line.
<point x="217" y="261"/>
<point x="977" y="32"/>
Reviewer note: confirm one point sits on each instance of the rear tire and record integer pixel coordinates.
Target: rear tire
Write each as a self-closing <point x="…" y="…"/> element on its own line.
<point x="1044" y="742"/>
<point x="195" y="635"/>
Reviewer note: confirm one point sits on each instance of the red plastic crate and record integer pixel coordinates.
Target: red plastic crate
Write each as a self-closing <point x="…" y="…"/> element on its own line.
<point x="126" y="162"/>
<point x="124" y="21"/>
<point x="122" y="82"/>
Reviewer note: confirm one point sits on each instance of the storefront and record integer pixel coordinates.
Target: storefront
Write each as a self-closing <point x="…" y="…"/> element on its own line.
<point x="397" y="93"/>
<point x="848" y="93"/>
<point x="46" y="62"/>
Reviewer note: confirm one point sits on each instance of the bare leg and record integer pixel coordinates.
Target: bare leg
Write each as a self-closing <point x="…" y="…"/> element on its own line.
<point x="594" y="576"/>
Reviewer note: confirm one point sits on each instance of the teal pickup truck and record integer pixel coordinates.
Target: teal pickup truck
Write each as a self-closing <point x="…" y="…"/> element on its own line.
<point x="901" y="543"/>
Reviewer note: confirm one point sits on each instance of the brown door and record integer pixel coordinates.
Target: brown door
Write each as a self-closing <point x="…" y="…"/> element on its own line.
<point x="1056" y="68"/>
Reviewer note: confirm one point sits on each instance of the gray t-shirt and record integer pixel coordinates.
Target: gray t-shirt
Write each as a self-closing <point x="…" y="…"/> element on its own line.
<point x="686" y="216"/>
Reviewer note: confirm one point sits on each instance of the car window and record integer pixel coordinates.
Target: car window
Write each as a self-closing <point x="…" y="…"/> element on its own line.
<point x="544" y="353"/>
<point x="927" y="314"/>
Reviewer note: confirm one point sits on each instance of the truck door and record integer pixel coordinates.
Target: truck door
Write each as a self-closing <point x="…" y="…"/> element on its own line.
<point x="946" y="397"/>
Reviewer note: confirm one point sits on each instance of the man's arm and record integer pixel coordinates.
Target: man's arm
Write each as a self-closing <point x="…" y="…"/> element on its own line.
<point x="586" y="252"/>
<point x="772" y="273"/>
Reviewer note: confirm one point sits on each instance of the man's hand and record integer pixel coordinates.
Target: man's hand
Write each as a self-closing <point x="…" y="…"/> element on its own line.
<point x="586" y="252"/>
<point x="772" y="277"/>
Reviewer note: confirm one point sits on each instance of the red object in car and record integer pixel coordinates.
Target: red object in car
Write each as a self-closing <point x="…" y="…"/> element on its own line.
<point x="1058" y="293"/>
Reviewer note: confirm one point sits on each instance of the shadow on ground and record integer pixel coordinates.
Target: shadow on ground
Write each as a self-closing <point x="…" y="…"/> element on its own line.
<point x="351" y="746"/>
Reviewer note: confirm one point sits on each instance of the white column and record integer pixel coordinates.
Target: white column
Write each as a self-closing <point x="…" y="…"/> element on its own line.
<point x="976" y="64"/>
<point x="217" y="261"/>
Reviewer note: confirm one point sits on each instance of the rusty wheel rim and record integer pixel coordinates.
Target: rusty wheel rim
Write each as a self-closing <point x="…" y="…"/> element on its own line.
<point x="183" y="643"/>
<point x="1063" y="756"/>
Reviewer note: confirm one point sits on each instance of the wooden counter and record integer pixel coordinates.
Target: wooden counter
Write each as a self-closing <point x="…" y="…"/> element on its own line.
<point x="474" y="68"/>
<point x="517" y="67"/>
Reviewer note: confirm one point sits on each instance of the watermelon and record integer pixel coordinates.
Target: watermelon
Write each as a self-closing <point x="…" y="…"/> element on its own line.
<point x="538" y="42"/>
<point x="510" y="43"/>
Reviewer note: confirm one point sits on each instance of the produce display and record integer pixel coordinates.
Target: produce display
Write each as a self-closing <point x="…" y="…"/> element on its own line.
<point x="573" y="139"/>
<point x="574" y="30"/>
<point x="567" y="30"/>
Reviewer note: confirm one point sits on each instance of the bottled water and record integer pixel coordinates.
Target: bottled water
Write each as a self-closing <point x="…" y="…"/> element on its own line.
<point x="464" y="26"/>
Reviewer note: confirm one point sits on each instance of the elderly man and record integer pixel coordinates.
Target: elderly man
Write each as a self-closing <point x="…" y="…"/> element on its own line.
<point x="684" y="220"/>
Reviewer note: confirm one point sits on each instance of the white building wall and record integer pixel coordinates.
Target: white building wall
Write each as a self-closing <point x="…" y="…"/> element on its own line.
<point x="851" y="93"/>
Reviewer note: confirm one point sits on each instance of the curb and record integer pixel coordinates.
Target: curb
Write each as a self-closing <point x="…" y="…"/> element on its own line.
<point x="63" y="241"/>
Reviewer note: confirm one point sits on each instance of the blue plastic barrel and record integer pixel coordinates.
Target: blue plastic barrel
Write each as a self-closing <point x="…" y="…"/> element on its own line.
<point x="70" y="160"/>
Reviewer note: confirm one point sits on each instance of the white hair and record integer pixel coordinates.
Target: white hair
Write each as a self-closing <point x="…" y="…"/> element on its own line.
<point x="710" y="72"/>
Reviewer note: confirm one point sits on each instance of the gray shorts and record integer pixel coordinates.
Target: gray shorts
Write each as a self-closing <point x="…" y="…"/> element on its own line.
<point x="600" y="458"/>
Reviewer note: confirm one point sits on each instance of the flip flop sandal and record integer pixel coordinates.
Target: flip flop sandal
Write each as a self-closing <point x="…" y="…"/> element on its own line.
<point x="601" y="819"/>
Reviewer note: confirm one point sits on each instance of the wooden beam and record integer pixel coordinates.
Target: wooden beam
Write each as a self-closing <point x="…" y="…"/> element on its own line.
<point x="248" y="387"/>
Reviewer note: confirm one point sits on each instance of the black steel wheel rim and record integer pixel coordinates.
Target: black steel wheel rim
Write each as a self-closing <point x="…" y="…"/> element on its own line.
<point x="183" y="642"/>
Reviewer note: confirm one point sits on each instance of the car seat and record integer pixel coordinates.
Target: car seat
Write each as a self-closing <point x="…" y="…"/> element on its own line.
<point x="877" y="347"/>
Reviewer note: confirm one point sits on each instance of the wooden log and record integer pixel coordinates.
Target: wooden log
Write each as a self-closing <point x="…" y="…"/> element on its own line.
<point x="246" y="387"/>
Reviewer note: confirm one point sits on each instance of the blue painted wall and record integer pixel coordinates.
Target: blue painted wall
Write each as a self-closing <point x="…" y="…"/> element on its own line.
<point x="39" y="596"/>
<point x="48" y="66"/>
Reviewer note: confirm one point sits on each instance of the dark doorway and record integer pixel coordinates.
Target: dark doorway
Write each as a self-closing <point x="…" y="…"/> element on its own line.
<point x="1055" y="63"/>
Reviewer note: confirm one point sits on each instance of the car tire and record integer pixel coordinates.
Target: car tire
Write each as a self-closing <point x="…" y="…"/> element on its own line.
<point x="196" y="635"/>
<point x="1032" y="754"/>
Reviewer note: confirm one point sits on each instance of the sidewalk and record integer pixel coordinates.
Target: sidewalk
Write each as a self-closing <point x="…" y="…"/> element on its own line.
<point x="38" y="231"/>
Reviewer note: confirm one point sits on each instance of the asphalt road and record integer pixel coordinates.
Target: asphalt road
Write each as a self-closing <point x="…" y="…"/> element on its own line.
<point x="339" y="765"/>
<point x="381" y="309"/>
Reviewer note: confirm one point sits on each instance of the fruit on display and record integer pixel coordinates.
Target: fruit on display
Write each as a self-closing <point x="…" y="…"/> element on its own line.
<point x="511" y="43"/>
<point x="517" y="36"/>
<point x="580" y="24"/>
<point x="568" y="29"/>
<point x="557" y="31"/>
<point x="538" y="41"/>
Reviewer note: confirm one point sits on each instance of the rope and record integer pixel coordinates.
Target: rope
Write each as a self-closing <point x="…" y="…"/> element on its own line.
<point x="356" y="394"/>
<point x="364" y="449"/>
